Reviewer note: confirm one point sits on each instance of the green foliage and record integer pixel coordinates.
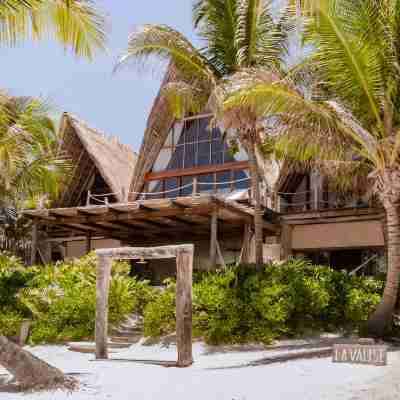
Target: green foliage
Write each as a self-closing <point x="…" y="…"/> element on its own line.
<point x="61" y="298"/>
<point x="229" y="306"/>
<point x="13" y="276"/>
<point x="240" y="304"/>
<point x="159" y="313"/>
<point x="10" y="321"/>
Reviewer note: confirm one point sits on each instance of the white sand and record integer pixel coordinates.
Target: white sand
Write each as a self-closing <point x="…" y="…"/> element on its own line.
<point x="211" y="377"/>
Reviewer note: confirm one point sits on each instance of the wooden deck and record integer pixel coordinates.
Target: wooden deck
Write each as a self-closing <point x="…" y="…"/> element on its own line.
<point x="147" y="219"/>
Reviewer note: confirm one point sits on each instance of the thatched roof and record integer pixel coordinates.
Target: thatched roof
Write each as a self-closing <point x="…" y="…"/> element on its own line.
<point x="159" y="123"/>
<point x="90" y="149"/>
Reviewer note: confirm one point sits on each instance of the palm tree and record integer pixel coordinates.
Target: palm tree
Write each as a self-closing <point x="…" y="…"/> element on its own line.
<point x="347" y="121"/>
<point x="28" y="165"/>
<point x="76" y="24"/>
<point x="235" y="34"/>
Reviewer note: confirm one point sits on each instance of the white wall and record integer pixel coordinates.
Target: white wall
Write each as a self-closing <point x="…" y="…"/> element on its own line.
<point x="76" y="249"/>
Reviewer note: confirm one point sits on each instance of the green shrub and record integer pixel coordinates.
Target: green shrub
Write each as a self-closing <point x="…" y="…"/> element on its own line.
<point x="10" y="322"/>
<point x="233" y="305"/>
<point x="159" y="312"/>
<point x="240" y="304"/>
<point x="13" y="276"/>
<point x="217" y="308"/>
<point x="62" y="299"/>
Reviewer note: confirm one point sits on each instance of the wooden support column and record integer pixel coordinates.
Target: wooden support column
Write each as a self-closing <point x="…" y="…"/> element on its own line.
<point x="213" y="239"/>
<point x="245" y="252"/>
<point x="220" y="255"/>
<point x="286" y="241"/>
<point x="102" y="291"/>
<point x="88" y="243"/>
<point x="184" y="273"/>
<point x="34" y="243"/>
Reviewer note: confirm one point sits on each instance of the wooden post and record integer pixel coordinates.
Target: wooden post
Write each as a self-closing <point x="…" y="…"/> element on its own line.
<point x="316" y="198"/>
<point x="102" y="291"/>
<point x="124" y="195"/>
<point x="245" y="252"/>
<point x="34" y="243"/>
<point x="195" y="186"/>
<point x="213" y="239"/>
<point x="89" y="195"/>
<point x="88" y="243"/>
<point x="220" y="255"/>
<point x="286" y="241"/>
<point x="184" y="273"/>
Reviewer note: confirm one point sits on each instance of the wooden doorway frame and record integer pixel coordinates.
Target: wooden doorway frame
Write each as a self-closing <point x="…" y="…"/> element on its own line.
<point x="184" y="278"/>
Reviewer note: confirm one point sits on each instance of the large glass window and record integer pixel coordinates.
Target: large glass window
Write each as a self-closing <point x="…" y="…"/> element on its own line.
<point x="194" y="144"/>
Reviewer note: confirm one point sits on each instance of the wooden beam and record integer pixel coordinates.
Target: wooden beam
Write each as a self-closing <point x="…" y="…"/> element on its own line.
<point x="88" y="243"/>
<point x="332" y="213"/>
<point x="34" y="243"/>
<point x="213" y="239"/>
<point x="145" y="252"/>
<point x="95" y="229"/>
<point x="220" y="255"/>
<point x="334" y="220"/>
<point x="184" y="278"/>
<point x="179" y="204"/>
<point x="132" y="215"/>
<point x="204" y="170"/>
<point x="184" y="273"/>
<point x="244" y="257"/>
<point x="102" y="291"/>
<point x="286" y="241"/>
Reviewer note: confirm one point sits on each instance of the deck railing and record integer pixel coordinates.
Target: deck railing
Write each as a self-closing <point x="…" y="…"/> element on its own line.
<point x="313" y="200"/>
<point x="18" y="247"/>
<point x="193" y="188"/>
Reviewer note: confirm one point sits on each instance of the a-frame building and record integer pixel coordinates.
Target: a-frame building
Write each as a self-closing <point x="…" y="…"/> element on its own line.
<point x="186" y="186"/>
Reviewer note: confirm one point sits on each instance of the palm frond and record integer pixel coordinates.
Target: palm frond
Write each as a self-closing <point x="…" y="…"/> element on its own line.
<point x="351" y="66"/>
<point x="152" y="42"/>
<point x="76" y="24"/>
<point x="184" y="98"/>
<point x="216" y="23"/>
<point x="262" y="40"/>
<point x="29" y="161"/>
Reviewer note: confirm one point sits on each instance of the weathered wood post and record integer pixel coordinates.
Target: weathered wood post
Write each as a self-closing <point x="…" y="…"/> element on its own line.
<point x="34" y="243"/>
<point x="213" y="239"/>
<point x="184" y="273"/>
<point x="88" y="243"/>
<point x="286" y="241"/>
<point x="102" y="291"/>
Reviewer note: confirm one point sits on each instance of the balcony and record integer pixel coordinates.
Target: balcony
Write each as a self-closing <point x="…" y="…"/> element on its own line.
<point x="315" y="200"/>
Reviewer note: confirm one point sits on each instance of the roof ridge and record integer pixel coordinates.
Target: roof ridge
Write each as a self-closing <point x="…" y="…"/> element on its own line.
<point x="111" y="139"/>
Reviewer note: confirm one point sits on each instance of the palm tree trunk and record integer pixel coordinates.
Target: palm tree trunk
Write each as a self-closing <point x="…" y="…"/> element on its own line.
<point x="30" y="372"/>
<point x="258" y="214"/>
<point x="382" y="316"/>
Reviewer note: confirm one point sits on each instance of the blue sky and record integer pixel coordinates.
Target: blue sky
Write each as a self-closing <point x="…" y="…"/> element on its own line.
<point x="117" y="104"/>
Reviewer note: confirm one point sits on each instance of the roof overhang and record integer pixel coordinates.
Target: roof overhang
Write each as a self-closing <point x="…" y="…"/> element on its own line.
<point x="146" y="220"/>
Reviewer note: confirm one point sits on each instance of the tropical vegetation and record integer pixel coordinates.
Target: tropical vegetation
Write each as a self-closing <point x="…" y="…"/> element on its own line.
<point x="60" y="299"/>
<point x="338" y="110"/>
<point x="76" y="24"/>
<point x="229" y="306"/>
<point x="29" y="167"/>
<point x="234" y="34"/>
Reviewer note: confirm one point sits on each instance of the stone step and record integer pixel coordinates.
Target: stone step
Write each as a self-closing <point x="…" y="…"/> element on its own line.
<point x="91" y="348"/>
<point x="130" y="327"/>
<point x="125" y="339"/>
<point x="126" y="333"/>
